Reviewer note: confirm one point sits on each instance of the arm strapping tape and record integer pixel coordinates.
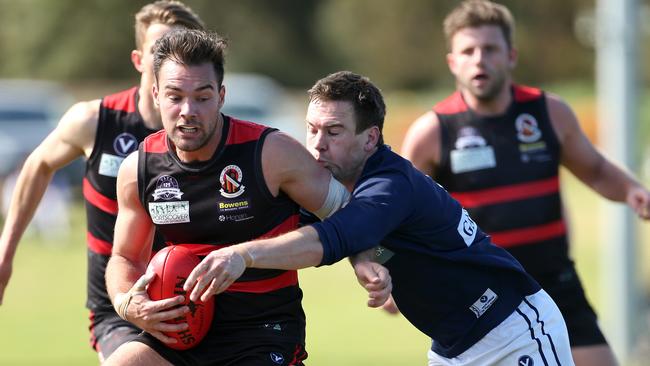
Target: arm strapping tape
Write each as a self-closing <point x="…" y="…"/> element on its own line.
<point x="337" y="198"/>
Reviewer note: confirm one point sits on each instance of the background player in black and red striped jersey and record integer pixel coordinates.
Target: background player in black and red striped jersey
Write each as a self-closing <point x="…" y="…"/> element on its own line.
<point x="103" y="132"/>
<point x="208" y="181"/>
<point x="497" y="147"/>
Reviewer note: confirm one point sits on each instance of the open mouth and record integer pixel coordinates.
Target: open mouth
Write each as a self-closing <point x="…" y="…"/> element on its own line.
<point x="187" y="129"/>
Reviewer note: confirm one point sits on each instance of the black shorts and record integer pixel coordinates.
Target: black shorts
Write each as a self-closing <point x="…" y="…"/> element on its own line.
<point x="108" y="331"/>
<point x="264" y="345"/>
<point x="566" y="290"/>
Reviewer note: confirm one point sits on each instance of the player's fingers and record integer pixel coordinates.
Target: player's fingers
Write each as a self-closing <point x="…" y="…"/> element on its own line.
<point x="141" y="284"/>
<point x="164" y="304"/>
<point x="162" y="316"/>
<point x="201" y="285"/>
<point x="163" y="338"/>
<point x="217" y="286"/>
<point x="168" y="327"/>
<point x="199" y="271"/>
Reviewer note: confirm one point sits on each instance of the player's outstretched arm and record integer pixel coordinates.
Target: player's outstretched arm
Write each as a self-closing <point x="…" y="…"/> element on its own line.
<point x="125" y="273"/>
<point x="421" y="144"/>
<point x="590" y="166"/>
<point x="73" y="137"/>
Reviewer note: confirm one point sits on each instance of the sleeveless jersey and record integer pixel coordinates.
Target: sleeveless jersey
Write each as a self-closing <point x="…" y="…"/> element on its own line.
<point x="504" y="171"/>
<point x="209" y="205"/>
<point x="120" y="129"/>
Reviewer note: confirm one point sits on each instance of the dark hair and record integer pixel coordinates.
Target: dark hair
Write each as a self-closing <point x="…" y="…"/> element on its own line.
<point x="171" y="13"/>
<point x="190" y="47"/>
<point x="475" y="13"/>
<point x="366" y="98"/>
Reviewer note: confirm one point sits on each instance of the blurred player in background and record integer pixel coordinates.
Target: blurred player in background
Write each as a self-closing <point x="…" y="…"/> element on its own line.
<point x="103" y="132"/>
<point x="497" y="146"/>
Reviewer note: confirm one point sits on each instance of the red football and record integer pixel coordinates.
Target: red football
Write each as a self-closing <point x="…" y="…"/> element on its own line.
<point x="172" y="266"/>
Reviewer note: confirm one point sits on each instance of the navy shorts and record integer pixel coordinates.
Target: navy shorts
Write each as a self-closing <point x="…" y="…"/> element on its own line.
<point x="264" y="345"/>
<point x="108" y="331"/>
<point x="567" y="292"/>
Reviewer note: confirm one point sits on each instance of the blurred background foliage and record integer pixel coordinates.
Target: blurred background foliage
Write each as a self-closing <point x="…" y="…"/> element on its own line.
<point x="399" y="44"/>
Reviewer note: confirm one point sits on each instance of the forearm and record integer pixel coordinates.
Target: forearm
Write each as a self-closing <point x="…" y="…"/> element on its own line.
<point x="295" y="250"/>
<point x="28" y="192"/>
<point x="121" y="274"/>
<point x="613" y="182"/>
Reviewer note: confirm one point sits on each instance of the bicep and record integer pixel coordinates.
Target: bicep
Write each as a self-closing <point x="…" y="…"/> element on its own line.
<point x="133" y="229"/>
<point x="421" y="144"/>
<point x="577" y="152"/>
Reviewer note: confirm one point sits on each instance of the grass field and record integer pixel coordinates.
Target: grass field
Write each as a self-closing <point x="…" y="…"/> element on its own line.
<point x="43" y="320"/>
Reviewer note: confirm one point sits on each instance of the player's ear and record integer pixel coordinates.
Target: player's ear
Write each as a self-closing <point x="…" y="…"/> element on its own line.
<point x="512" y="57"/>
<point x="372" y="138"/>
<point x="136" y="59"/>
<point x="154" y="92"/>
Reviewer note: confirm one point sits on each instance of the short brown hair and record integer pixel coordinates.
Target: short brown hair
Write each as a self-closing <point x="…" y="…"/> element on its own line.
<point x="475" y="13"/>
<point x="190" y="47"/>
<point x="168" y="12"/>
<point x="366" y="98"/>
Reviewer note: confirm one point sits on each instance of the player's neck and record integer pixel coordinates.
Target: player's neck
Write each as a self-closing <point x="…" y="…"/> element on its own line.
<point x="150" y="114"/>
<point x="496" y="105"/>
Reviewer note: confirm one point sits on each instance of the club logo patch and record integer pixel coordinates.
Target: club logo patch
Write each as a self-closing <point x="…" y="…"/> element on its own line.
<point x="167" y="189"/>
<point x="277" y="358"/>
<point x="124" y="144"/>
<point x="230" y="179"/>
<point x="527" y="128"/>
<point x="469" y="137"/>
<point x="483" y="303"/>
<point x="525" y="361"/>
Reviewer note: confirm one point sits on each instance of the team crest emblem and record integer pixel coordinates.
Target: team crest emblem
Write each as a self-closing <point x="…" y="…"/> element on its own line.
<point x="277" y="358"/>
<point x="124" y="144"/>
<point x="230" y="179"/>
<point x="166" y="189"/>
<point x="469" y="137"/>
<point x="527" y="128"/>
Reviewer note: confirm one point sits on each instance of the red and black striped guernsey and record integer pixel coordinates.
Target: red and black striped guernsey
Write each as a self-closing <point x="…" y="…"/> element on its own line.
<point x="209" y="205"/>
<point x="504" y="171"/>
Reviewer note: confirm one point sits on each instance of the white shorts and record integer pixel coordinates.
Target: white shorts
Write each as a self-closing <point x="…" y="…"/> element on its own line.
<point x="533" y="335"/>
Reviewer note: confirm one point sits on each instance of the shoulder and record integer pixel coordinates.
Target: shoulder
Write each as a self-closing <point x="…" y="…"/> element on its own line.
<point x="82" y="113"/>
<point x="562" y="117"/>
<point x="421" y="144"/>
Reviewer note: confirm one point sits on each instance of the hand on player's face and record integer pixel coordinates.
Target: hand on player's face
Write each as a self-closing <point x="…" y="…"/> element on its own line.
<point x="216" y="272"/>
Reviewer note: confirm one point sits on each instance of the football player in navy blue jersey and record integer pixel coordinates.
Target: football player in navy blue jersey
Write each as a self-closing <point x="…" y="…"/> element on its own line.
<point x="471" y="297"/>
<point x="103" y="131"/>
<point x="497" y="147"/>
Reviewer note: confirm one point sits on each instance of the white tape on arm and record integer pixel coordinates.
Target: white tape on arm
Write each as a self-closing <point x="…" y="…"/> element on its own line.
<point x="337" y="197"/>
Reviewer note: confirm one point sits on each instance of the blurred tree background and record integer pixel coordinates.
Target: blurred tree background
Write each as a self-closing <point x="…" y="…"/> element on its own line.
<point x="399" y="44"/>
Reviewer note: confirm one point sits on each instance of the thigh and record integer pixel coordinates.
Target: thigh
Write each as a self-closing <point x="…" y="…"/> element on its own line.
<point x="135" y="354"/>
<point x="109" y="331"/>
